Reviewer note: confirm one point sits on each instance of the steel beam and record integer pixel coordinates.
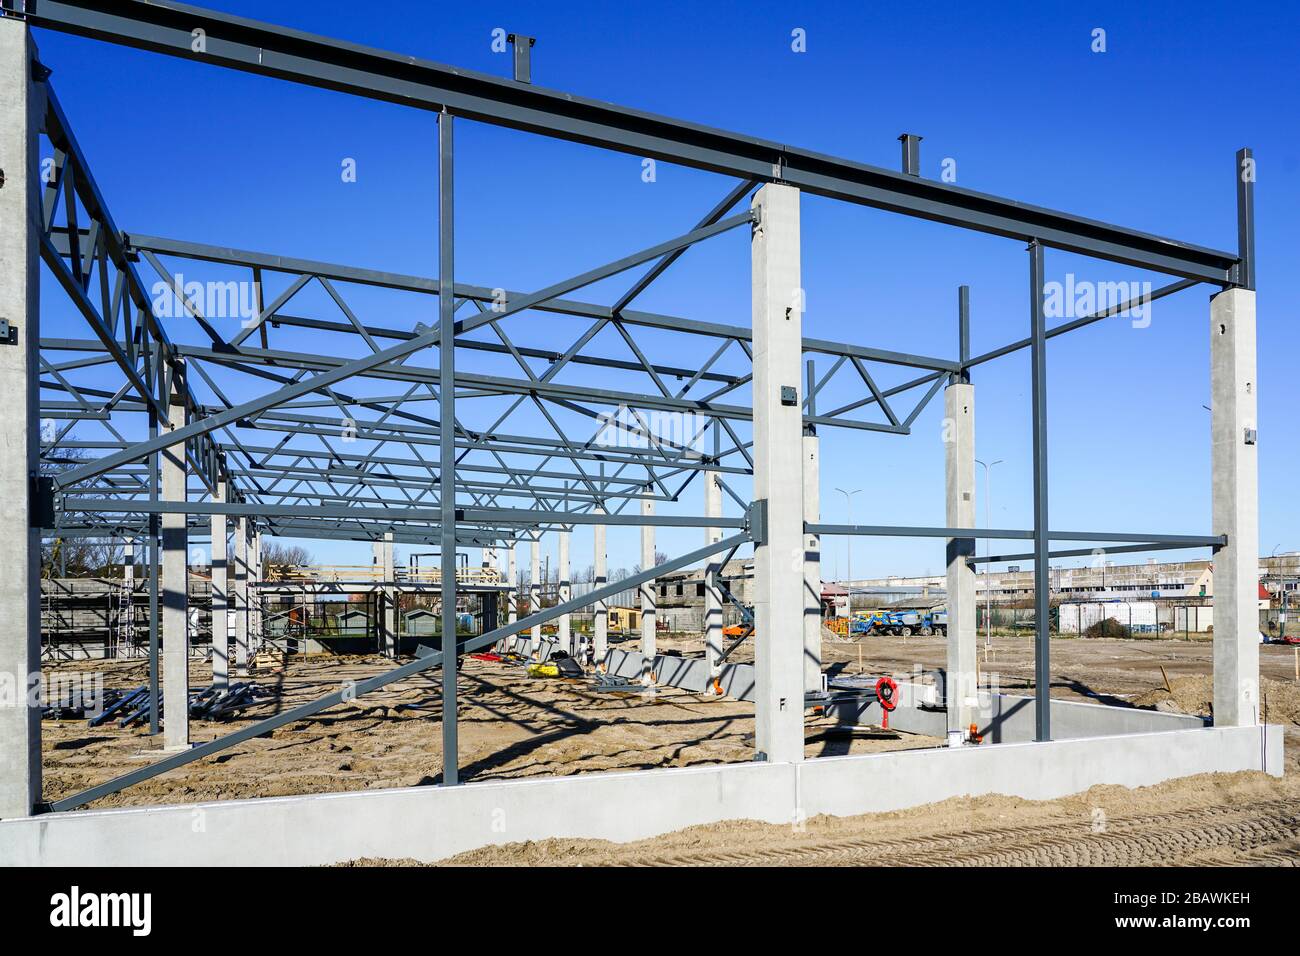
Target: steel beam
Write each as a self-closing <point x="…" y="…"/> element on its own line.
<point x="267" y="50"/>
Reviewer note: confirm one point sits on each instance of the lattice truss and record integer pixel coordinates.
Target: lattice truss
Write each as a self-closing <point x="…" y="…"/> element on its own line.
<point x="611" y="418"/>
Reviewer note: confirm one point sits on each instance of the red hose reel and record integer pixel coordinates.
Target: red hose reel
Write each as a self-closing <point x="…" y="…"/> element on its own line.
<point x="887" y="694"/>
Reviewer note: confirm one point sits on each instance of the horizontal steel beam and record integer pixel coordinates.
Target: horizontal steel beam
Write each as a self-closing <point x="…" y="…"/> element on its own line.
<point x="393" y="511"/>
<point x="894" y="531"/>
<point x="1086" y="552"/>
<point x="251" y="46"/>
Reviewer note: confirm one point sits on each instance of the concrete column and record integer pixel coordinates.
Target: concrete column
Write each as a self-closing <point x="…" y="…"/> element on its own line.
<point x="565" y="592"/>
<point x="126" y="611"/>
<point x="649" y="597"/>
<point x="1234" y="469"/>
<point x="175" y="585"/>
<point x="381" y="595"/>
<point x="778" y="476"/>
<point x="713" y="595"/>
<point x="21" y="113"/>
<point x="512" y="596"/>
<point x="392" y="638"/>
<point x="220" y="591"/>
<point x="812" y="563"/>
<point x="241" y="597"/>
<point x="600" y="563"/>
<point x="959" y="471"/>
<point x="535" y="592"/>
<point x="255" y="617"/>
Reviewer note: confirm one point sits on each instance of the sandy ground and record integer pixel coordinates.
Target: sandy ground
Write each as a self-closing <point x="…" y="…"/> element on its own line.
<point x="511" y="725"/>
<point x="515" y="726"/>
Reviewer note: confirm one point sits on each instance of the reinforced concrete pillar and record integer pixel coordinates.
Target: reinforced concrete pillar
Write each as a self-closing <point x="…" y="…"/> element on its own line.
<point x="1234" y="469"/>
<point x="220" y="601"/>
<point x="649" y="601"/>
<point x="240" y="593"/>
<point x="812" y="564"/>
<point x="535" y="592"/>
<point x="175" y="582"/>
<point x="565" y="631"/>
<point x="21" y="112"/>
<point x="712" y="593"/>
<point x="390" y="597"/>
<point x="600" y="624"/>
<point x="778" y="476"/>
<point x="512" y="595"/>
<point x="959" y="472"/>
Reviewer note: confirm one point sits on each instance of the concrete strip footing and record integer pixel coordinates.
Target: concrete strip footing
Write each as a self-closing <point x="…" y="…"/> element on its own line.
<point x="432" y="823"/>
<point x="1234" y="468"/>
<point x="778" y="475"/>
<point x="21" y="111"/>
<point x="959" y="469"/>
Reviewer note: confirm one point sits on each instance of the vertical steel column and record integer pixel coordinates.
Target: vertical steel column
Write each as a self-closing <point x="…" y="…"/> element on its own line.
<point x="220" y="588"/>
<point x="1246" y="218"/>
<point x="1042" y="584"/>
<point x="447" y="444"/>
<point x="22" y="107"/>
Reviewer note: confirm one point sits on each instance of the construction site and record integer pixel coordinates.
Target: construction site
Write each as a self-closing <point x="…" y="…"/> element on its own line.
<point x="456" y="688"/>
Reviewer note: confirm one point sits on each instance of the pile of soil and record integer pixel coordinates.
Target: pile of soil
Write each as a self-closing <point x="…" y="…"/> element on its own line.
<point x="1280" y="700"/>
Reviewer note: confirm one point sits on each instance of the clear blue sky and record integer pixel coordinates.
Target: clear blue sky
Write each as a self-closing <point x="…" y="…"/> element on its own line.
<point x="1142" y="135"/>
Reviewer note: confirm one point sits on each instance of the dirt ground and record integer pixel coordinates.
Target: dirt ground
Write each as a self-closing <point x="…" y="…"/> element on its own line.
<point x="515" y="726"/>
<point x="511" y="725"/>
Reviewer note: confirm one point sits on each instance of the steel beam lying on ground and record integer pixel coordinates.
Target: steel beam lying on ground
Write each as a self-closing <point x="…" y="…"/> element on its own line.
<point x="382" y="680"/>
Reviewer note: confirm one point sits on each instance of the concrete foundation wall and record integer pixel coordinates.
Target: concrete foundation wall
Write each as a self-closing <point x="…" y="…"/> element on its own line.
<point x="431" y="823"/>
<point x="1004" y="719"/>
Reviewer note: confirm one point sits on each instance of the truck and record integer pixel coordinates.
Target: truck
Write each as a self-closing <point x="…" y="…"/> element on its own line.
<point x="902" y="623"/>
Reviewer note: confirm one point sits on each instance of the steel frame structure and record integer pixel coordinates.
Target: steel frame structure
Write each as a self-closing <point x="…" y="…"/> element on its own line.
<point x="309" y="459"/>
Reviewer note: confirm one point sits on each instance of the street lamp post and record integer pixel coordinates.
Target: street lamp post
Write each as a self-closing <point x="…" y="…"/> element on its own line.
<point x="988" y="550"/>
<point x="848" y="545"/>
